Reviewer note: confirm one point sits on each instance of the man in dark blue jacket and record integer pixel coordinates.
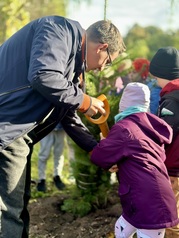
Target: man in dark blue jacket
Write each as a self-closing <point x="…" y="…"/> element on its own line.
<point x="41" y="84"/>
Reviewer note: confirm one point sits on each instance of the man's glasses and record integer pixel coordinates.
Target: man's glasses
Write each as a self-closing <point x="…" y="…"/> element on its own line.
<point x="109" y="61"/>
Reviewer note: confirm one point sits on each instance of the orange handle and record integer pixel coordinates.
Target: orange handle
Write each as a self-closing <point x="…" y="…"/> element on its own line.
<point x="102" y="120"/>
<point x="104" y="128"/>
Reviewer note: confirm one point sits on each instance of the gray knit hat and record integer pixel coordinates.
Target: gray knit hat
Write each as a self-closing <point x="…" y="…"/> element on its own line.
<point x="165" y="63"/>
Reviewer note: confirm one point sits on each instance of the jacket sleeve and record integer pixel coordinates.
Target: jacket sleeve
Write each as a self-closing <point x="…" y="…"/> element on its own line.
<point x="113" y="149"/>
<point x="52" y="63"/>
<point x="168" y="111"/>
<point x="78" y="132"/>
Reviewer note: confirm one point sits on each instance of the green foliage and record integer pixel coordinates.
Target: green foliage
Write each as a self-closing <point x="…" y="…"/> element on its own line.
<point x="13" y="16"/>
<point x="82" y="202"/>
<point x="77" y="206"/>
<point x="50" y="7"/>
<point x="145" y="41"/>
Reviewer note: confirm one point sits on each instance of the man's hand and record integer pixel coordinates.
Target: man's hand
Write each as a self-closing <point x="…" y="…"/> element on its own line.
<point x="96" y="106"/>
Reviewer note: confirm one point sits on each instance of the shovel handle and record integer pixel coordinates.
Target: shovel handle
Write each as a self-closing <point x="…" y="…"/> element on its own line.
<point x="102" y="120"/>
<point x="104" y="128"/>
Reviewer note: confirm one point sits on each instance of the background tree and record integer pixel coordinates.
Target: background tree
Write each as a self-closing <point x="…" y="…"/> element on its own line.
<point x="12" y="17"/>
<point x="42" y="8"/>
<point x="14" y="14"/>
<point x="145" y="41"/>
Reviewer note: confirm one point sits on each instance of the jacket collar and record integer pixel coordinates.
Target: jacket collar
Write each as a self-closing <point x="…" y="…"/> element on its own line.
<point x="171" y="86"/>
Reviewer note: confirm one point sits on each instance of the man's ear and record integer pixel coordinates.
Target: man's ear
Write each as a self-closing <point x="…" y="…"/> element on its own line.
<point x="102" y="46"/>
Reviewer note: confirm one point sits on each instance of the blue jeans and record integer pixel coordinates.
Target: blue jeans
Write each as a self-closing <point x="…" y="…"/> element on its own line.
<point x="15" y="188"/>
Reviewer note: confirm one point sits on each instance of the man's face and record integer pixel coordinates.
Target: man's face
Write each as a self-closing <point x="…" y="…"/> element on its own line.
<point x="98" y="56"/>
<point x="162" y="82"/>
<point x="134" y="76"/>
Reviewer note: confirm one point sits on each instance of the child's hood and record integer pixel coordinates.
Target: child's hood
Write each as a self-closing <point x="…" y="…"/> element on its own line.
<point x="156" y="128"/>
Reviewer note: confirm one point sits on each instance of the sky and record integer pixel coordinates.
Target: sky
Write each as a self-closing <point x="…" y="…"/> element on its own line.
<point x="125" y="13"/>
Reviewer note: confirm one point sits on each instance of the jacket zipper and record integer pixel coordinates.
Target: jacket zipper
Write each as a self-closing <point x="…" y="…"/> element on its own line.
<point x="14" y="90"/>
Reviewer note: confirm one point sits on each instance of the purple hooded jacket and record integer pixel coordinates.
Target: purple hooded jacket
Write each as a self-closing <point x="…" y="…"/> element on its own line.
<point x="136" y="145"/>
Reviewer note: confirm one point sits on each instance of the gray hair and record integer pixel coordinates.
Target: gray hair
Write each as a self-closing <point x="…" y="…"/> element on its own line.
<point x="105" y="32"/>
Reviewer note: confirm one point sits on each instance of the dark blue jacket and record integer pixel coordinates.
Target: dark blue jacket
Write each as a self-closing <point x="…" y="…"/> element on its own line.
<point x="39" y="66"/>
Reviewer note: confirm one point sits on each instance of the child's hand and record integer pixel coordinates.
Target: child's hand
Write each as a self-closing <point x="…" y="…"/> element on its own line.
<point x="101" y="136"/>
<point x="113" y="169"/>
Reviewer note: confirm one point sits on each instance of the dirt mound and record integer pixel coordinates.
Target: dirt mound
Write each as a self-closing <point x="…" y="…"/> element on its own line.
<point x="48" y="221"/>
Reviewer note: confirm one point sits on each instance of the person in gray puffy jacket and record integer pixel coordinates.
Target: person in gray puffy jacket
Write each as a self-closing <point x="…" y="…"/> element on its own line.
<point x="42" y="84"/>
<point x="135" y="147"/>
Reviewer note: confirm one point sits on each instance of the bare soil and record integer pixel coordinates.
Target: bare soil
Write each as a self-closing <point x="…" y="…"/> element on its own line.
<point x="48" y="221"/>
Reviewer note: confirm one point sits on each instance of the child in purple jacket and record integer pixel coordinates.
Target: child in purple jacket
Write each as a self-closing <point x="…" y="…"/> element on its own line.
<point x="136" y="145"/>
